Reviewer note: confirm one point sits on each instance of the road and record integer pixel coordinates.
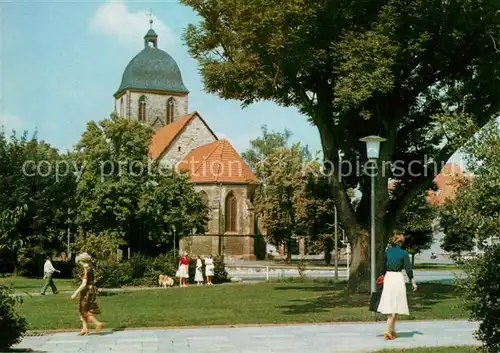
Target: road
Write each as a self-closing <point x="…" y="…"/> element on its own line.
<point x="253" y="276"/>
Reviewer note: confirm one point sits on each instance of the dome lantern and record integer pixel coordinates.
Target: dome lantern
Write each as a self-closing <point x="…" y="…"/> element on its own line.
<point x="151" y="38"/>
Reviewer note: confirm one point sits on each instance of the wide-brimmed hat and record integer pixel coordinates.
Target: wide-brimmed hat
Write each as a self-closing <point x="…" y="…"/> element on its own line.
<point x="83" y="257"/>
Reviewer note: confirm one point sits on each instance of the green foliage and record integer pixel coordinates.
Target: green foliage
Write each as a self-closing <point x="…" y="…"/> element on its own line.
<point x="220" y="273"/>
<point x="262" y="147"/>
<point x="472" y="218"/>
<point x="481" y="289"/>
<point x="293" y="197"/>
<point x="32" y="177"/>
<point x="417" y="224"/>
<point x="112" y="274"/>
<point x="456" y="221"/>
<point x="12" y="326"/>
<point x="278" y="201"/>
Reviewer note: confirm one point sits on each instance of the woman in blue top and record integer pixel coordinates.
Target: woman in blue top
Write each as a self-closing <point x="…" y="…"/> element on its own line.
<point x="393" y="301"/>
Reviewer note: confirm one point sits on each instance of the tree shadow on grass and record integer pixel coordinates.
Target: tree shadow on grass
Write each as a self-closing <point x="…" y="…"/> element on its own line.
<point x="428" y="295"/>
<point x="313" y="286"/>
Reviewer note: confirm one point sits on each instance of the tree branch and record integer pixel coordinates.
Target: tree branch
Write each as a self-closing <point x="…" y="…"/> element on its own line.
<point x="398" y="206"/>
<point x="494" y="43"/>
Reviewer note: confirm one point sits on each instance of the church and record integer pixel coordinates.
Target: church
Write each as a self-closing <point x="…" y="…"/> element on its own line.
<point x="152" y="91"/>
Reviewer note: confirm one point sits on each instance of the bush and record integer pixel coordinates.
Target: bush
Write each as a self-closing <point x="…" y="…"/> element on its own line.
<point x="108" y="274"/>
<point x="164" y="264"/>
<point x="220" y="273"/>
<point x="12" y="326"/>
<point x="481" y="289"/>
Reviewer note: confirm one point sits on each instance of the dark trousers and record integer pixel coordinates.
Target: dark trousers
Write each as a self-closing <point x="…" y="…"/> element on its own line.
<point x="49" y="282"/>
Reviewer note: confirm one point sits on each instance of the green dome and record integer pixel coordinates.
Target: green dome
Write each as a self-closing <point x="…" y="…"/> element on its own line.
<point x="153" y="69"/>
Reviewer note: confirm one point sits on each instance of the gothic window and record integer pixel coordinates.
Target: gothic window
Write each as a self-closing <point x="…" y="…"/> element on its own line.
<point x="122" y="108"/>
<point x="204" y="199"/>
<point x="170" y="110"/>
<point x="142" y="109"/>
<point x="230" y="213"/>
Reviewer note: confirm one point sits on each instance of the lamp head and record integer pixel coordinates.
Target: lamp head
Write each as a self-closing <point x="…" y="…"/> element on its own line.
<point x="372" y="145"/>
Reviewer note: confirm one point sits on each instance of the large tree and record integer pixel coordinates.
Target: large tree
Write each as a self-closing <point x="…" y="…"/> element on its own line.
<point x="423" y="74"/>
<point x="311" y="202"/>
<point x="473" y="217"/>
<point x="36" y="189"/>
<point x="278" y="202"/>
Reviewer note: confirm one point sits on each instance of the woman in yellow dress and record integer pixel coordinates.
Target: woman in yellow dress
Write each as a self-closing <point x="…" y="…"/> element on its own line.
<point x="88" y="295"/>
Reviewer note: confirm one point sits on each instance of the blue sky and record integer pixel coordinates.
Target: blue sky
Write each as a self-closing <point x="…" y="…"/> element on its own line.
<point x="62" y="61"/>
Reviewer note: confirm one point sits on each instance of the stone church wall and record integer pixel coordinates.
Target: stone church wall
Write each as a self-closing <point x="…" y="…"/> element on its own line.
<point x="195" y="134"/>
<point x="156" y="105"/>
<point x="237" y="245"/>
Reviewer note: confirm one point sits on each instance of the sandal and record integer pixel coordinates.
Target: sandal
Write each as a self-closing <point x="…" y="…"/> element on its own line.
<point x="83" y="333"/>
<point x="99" y="327"/>
<point x="388" y="336"/>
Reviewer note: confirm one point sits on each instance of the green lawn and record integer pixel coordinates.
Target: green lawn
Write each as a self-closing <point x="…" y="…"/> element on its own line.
<point x="233" y="304"/>
<point x="34" y="285"/>
<point x="459" y="349"/>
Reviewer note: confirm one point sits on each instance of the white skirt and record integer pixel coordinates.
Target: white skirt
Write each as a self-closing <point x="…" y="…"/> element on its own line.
<point x="209" y="270"/>
<point x="199" y="275"/>
<point x="393" y="299"/>
<point x="183" y="272"/>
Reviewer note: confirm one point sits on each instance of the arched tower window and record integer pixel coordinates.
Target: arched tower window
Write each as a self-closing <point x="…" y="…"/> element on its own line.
<point x="122" y="108"/>
<point x="230" y="213"/>
<point x="204" y="198"/>
<point x="170" y="110"/>
<point x="142" y="109"/>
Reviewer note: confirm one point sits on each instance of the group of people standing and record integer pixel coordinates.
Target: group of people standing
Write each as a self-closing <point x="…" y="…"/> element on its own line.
<point x="183" y="270"/>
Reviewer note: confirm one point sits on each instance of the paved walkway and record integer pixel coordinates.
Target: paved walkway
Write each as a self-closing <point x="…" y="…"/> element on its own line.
<point x="342" y="338"/>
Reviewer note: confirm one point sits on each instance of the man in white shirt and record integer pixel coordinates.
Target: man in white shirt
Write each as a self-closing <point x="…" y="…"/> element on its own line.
<point x="48" y="272"/>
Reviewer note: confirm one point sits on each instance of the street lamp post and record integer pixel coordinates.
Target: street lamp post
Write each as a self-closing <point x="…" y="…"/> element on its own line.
<point x="372" y="152"/>
<point x="175" y="245"/>
<point x="69" y="234"/>
<point x="336" y="247"/>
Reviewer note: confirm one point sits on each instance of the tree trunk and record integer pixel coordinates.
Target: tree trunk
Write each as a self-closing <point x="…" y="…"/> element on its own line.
<point x="15" y="263"/>
<point x="359" y="277"/>
<point x="328" y="251"/>
<point x="359" y="273"/>
<point x="412" y="260"/>
<point x="288" y="250"/>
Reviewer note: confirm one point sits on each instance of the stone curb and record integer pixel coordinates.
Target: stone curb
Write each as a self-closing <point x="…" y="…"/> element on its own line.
<point x="165" y="328"/>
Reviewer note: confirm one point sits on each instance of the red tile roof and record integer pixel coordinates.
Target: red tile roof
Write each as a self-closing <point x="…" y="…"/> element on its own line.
<point x="216" y="162"/>
<point x="164" y="136"/>
<point x="447" y="182"/>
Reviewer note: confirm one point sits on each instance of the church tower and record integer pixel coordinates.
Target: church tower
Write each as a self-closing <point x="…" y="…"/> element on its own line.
<point x="152" y="90"/>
